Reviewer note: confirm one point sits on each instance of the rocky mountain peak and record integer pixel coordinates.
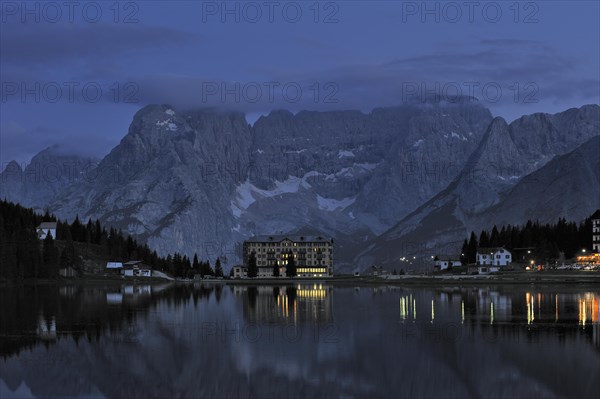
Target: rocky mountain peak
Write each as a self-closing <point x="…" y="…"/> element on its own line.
<point x="12" y="167"/>
<point x="203" y="180"/>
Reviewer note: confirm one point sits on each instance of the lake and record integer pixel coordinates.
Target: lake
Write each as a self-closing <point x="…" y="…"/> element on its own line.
<point x="302" y="340"/>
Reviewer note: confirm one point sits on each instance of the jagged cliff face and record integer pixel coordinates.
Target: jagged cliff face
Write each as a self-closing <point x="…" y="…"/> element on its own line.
<point x="509" y="178"/>
<point x="48" y="173"/>
<point x="568" y="186"/>
<point x="202" y="181"/>
<point x="169" y="180"/>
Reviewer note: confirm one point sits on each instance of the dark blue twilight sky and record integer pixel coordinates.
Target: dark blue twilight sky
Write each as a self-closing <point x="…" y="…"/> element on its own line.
<point x="74" y="73"/>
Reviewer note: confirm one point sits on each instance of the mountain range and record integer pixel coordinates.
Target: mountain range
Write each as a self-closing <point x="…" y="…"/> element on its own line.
<point x="409" y="180"/>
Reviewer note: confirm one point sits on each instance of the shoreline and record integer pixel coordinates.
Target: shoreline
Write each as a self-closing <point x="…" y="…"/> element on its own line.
<point x="516" y="278"/>
<point x="432" y="280"/>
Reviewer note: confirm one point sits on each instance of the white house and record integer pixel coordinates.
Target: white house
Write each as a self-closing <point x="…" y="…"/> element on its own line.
<point x="114" y="265"/>
<point x="240" y="272"/>
<point x="444" y="262"/>
<point x="135" y="268"/>
<point x="45" y="229"/>
<point x="493" y="257"/>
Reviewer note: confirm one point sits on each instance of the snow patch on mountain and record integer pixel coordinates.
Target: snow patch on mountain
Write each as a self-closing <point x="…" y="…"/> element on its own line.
<point x="345" y="154"/>
<point x="418" y="143"/>
<point x="247" y="193"/>
<point x="352" y="171"/>
<point x="331" y="204"/>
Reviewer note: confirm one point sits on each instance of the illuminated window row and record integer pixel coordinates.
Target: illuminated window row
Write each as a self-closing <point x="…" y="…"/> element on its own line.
<point x="311" y="293"/>
<point x="312" y="270"/>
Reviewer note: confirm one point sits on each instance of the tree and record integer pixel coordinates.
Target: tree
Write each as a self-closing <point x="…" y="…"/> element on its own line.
<point x="28" y="254"/>
<point x="471" y="254"/>
<point x="276" y="271"/>
<point x="196" y="264"/>
<point x="50" y="257"/>
<point x="464" y="251"/>
<point x="252" y="267"/>
<point x="207" y="269"/>
<point x="495" y="237"/>
<point x="218" y="268"/>
<point x="484" y="239"/>
<point x="290" y="270"/>
<point x="67" y="256"/>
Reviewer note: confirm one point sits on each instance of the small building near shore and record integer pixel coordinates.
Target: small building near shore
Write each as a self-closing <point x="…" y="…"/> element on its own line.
<point x="240" y="272"/>
<point x="596" y="231"/>
<point x="445" y="262"/>
<point x="379" y="271"/>
<point x="45" y="229"/>
<point x="590" y="261"/>
<point x="135" y="268"/>
<point x="493" y="256"/>
<point x="115" y="267"/>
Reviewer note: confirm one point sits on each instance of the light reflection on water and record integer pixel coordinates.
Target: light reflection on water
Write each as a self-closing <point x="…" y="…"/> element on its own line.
<point x="299" y="340"/>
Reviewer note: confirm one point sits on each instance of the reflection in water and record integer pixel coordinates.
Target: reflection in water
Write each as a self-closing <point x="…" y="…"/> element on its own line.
<point x="46" y="330"/>
<point x="298" y="340"/>
<point x="589" y="310"/>
<point x="292" y="304"/>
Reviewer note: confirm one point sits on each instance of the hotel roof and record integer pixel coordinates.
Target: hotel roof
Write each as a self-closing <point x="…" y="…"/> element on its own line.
<point x="282" y="237"/>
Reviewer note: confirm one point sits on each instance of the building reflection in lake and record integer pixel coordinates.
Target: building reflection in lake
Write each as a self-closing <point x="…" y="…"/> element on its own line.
<point x="286" y="304"/>
<point x="129" y="294"/>
<point x="46" y="329"/>
<point x="506" y="312"/>
<point x="533" y="341"/>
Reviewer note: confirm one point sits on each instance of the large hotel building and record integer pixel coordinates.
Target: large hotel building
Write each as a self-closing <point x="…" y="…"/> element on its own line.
<point x="313" y="255"/>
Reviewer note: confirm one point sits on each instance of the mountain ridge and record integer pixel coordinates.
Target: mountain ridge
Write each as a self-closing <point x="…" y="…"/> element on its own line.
<point x="203" y="180"/>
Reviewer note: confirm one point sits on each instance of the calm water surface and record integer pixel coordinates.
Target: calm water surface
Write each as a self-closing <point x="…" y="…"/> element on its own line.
<point x="302" y="340"/>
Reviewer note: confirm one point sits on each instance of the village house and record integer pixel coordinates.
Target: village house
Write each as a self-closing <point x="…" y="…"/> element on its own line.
<point x="491" y="260"/>
<point x="379" y="271"/>
<point x="135" y="268"/>
<point x="596" y="231"/>
<point x="239" y="272"/>
<point x="115" y="267"/>
<point x="445" y="262"/>
<point x="592" y="260"/>
<point x="313" y="255"/>
<point x="45" y="229"/>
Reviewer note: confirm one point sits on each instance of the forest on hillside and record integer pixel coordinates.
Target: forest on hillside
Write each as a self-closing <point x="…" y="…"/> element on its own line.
<point x="548" y="243"/>
<point x="24" y="256"/>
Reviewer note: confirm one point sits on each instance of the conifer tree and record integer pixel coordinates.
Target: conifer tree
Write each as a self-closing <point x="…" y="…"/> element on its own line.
<point x="290" y="270"/>
<point x="50" y="258"/>
<point x="252" y="266"/>
<point x="218" y="268"/>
